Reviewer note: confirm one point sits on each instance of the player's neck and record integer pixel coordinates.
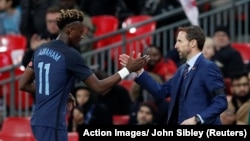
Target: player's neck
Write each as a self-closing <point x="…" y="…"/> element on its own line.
<point x="63" y="36"/>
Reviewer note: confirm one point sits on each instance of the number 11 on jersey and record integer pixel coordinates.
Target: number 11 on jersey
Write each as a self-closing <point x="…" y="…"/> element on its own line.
<point x="45" y="76"/>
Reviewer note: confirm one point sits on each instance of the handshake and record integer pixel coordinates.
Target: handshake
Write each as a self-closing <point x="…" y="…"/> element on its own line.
<point x="133" y="64"/>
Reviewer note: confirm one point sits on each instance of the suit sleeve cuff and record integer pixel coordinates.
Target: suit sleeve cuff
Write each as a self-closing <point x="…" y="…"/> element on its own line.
<point x="139" y="74"/>
<point x="202" y="121"/>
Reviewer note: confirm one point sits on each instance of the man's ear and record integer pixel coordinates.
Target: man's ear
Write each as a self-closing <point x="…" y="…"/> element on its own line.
<point x="193" y="43"/>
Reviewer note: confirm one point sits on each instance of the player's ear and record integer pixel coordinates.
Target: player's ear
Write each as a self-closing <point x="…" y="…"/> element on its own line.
<point x="68" y="30"/>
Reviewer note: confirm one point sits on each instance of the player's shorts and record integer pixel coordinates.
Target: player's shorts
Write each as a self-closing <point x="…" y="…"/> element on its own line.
<point x="42" y="133"/>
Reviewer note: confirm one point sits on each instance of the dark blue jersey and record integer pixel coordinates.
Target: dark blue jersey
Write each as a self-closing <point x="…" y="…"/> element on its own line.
<point x="56" y="66"/>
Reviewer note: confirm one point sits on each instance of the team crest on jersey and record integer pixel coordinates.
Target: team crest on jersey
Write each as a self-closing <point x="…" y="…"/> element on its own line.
<point x="30" y="64"/>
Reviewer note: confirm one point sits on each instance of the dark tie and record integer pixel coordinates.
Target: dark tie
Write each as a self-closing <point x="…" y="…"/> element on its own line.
<point x="185" y="73"/>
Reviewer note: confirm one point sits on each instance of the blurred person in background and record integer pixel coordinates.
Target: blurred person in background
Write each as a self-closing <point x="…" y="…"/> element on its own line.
<point x="10" y="17"/>
<point x="157" y="64"/>
<point x="226" y="57"/>
<point x="88" y="111"/>
<point x="93" y="112"/>
<point x="33" y="16"/>
<point x="208" y="49"/>
<point x="52" y="29"/>
<point x="248" y="70"/>
<point x="238" y="102"/>
<point x="50" y="33"/>
<point x="146" y="114"/>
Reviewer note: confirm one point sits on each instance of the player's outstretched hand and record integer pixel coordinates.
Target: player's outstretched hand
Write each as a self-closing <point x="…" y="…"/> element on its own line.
<point x="134" y="64"/>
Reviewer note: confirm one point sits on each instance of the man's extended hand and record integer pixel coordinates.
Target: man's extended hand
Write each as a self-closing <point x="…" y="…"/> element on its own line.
<point x="134" y="64"/>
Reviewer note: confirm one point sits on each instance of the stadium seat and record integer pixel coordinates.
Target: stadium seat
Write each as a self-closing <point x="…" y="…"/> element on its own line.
<point x="16" y="138"/>
<point x="244" y="49"/>
<point x="22" y="99"/>
<point x="120" y="119"/>
<point x="12" y="48"/>
<point x="16" y="129"/>
<point x="16" y="125"/>
<point x="137" y="45"/>
<point x="104" y="24"/>
<point x="73" y="136"/>
<point x="135" y="32"/>
<point x="130" y="21"/>
<point x="4" y="61"/>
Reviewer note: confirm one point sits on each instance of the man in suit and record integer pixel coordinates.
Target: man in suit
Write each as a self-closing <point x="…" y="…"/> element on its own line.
<point x="196" y="91"/>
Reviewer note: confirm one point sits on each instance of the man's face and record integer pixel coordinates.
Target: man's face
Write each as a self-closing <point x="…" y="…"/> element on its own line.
<point x="3" y="5"/>
<point x="76" y="34"/>
<point x="221" y="39"/>
<point x="182" y="45"/>
<point x="144" y="115"/>
<point x="51" y="23"/>
<point x="155" y="56"/>
<point x="240" y="87"/>
<point x="82" y="96"/>
<point x="208" y="50"/>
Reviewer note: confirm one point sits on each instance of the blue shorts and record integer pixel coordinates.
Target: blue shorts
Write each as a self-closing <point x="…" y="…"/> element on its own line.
<point x="42" y="133"/>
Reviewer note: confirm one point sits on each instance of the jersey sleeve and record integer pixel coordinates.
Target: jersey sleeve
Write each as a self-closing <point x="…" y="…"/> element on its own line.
<point x="76" y="65"/>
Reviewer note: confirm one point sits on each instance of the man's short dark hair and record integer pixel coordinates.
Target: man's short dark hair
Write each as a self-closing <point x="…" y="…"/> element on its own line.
<point x="238" y="75"/>
<point x="194" y="32"/>
<point x="222" y="28"/>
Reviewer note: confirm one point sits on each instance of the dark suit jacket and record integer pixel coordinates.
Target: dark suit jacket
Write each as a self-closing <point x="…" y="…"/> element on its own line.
<point x="204" y="92"/>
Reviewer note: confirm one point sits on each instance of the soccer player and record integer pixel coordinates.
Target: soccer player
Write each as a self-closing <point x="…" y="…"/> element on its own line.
<point x="50" y="76"/>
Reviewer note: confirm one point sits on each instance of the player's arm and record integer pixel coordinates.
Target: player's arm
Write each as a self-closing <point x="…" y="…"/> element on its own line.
<point x="101" y="86"/>
<point x="27" y="81"/>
